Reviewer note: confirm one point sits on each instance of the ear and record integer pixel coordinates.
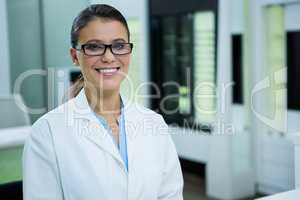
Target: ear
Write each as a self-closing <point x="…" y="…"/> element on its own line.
<point x="73" y="54"/>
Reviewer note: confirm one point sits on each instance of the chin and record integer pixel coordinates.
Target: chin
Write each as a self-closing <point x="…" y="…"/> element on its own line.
<point x="110" y="87"/>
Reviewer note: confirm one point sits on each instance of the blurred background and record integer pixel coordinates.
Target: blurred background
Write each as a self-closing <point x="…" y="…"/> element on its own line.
<point x="223" y="73"/>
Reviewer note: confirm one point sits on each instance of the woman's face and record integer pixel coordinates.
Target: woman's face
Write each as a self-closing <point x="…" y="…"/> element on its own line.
<point x="104" y="72"/>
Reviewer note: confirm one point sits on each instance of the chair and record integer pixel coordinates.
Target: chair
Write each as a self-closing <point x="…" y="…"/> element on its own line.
<point x="12" y="112"/>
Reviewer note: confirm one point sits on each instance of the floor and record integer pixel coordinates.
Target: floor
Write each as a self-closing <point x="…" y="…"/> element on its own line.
<point x="194" y="188"/>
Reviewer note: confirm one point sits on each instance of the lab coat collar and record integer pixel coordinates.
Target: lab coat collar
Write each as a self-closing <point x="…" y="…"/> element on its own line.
<point x="82" y="110"/>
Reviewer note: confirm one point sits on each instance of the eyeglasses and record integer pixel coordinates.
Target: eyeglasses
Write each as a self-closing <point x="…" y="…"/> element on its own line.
<point x="96" y="49"/>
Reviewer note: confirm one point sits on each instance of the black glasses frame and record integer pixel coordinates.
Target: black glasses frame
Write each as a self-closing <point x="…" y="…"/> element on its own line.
<point x="105" y="47"/>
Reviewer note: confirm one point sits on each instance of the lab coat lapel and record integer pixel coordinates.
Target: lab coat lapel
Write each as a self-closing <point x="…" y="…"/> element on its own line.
<point x="94" y="132"/>
<point x="131" y="123"/>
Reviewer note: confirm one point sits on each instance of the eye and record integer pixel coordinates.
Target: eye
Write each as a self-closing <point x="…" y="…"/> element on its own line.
<point x="119" y="46"/>
<point x="94" y="47"/>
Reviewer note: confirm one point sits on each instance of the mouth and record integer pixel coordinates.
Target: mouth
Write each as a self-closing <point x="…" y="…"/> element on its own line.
<point x="107" y="71"/>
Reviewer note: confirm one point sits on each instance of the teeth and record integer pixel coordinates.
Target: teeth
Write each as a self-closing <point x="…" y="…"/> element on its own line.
<point x="107" y="70"/>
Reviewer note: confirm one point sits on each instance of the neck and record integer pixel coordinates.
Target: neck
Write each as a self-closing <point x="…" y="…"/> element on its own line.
<point x="105" y="103"/>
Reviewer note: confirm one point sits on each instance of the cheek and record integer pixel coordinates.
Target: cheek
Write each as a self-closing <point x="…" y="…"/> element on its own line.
<point x="125" y="62"/>
<point x="87" y="63"/>
<point x="85" y="67"/>
<point x="125" y="67"/>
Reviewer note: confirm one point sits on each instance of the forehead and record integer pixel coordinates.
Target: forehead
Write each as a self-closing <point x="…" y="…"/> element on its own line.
<point x="103" y="30"/>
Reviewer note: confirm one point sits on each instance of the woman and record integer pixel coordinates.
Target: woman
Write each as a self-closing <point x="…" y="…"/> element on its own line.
<point x="97" y="145"/>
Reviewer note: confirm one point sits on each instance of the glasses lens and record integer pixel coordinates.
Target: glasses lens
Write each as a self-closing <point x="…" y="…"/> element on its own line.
<point x="93" y="49"/>
<point x="121" y="48"/>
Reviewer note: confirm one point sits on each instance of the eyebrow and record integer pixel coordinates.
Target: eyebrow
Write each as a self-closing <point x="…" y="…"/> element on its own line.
<point x="101" y="41"/>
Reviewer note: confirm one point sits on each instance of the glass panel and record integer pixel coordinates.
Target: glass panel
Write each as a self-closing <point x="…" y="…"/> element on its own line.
<point x="130" y="86"/>
<point x="170" y="102"/>
<point x="177" y="62"/>
<point x="185" y="62"/>
<point x="276" y="62"/>
<point x="25" y="45"/>
<point x="204" y="71"/>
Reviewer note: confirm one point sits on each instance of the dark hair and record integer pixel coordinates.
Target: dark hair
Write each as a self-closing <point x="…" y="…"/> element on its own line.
<point x="93" y="12"/>
<point x="90" y="13"/>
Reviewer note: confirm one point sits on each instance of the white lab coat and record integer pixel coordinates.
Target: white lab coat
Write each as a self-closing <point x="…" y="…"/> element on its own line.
<point x="70" y="156"/>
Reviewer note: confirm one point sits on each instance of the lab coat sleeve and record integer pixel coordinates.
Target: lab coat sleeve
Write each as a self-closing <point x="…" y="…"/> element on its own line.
<point x="172" y="181"/>
<point x="40" y="172"/>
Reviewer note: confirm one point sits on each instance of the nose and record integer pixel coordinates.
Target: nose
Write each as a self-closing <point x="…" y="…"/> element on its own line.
<point x="108" y="56"/>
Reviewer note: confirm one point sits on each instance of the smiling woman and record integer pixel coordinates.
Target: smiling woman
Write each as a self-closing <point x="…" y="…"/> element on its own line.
<point x="94" y="34"/>
<point x="97" y="145"/>
<point x="101" y="68"/>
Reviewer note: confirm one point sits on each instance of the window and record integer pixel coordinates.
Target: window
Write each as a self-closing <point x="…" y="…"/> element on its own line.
<point x="183" y="61"/>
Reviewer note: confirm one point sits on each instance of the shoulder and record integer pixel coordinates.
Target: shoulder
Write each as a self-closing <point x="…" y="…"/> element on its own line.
<point x="59" y="114"/>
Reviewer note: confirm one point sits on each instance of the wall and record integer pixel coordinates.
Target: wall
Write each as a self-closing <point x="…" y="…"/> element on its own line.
<point x="56" y="26"/>
<point x="273" y="150"/>
<point x="26" y="50"/>
<point x="4" y="51"/>
<point x="292" y="13"/>
<point x="237" y="25"/>
<point x="39" y="38"/>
